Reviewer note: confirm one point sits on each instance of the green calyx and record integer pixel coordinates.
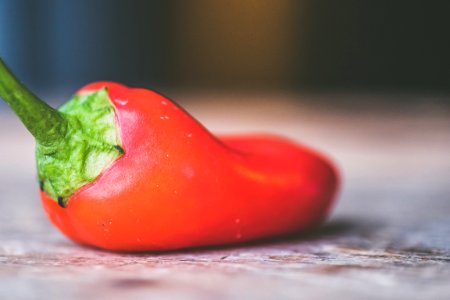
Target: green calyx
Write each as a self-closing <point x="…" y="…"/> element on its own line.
<point x="75" y="144"/>
<point x="90" y="145"/>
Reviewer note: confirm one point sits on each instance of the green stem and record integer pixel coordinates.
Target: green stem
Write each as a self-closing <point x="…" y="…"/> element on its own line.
<point x="45" y="123"/>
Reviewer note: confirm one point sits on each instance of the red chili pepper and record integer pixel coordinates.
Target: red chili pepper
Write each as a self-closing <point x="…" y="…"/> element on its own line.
<point x="174" y="185"/>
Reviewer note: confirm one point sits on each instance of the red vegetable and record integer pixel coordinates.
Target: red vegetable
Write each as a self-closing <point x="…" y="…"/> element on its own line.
<point x="176" y="185"/>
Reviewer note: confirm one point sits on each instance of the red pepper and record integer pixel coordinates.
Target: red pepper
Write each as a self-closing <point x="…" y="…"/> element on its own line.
<point x="177" y="186"/>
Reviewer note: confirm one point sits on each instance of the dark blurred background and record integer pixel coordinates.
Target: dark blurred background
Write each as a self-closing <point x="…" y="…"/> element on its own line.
<point x="229" y="45"/>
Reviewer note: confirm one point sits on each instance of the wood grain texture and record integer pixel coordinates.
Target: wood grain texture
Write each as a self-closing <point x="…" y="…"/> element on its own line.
<point x="389" y="237"/>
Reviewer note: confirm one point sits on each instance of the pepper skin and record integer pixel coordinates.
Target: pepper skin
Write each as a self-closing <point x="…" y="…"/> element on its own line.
<point x="178" y="186"/>
<point x="164" y="182"/>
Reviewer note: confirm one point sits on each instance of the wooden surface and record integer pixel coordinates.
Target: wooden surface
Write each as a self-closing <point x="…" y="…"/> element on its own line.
<point x="388" y="238"/>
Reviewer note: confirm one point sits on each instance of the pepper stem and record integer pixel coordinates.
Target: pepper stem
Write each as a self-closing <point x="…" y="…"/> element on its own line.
<point x="45" y="123"/>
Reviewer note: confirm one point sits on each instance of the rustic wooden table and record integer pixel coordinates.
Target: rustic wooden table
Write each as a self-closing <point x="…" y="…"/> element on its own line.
<point x="388" y="238"/>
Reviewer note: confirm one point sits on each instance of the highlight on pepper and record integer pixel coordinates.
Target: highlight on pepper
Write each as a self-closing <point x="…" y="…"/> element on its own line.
<point x="126" y="169"/>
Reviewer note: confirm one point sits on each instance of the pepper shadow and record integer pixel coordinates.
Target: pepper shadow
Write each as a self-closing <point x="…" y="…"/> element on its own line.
<point x="334" y="230"/>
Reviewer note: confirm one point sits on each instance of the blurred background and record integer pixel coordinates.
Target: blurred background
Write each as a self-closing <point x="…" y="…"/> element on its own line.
<point x="367" y="82"/>
<point x="278" y="45"/>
